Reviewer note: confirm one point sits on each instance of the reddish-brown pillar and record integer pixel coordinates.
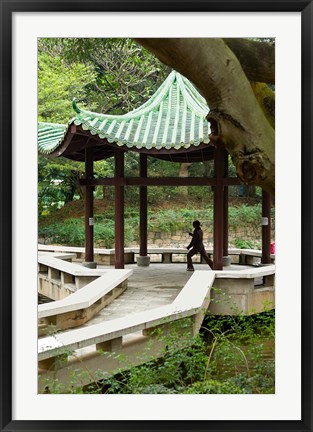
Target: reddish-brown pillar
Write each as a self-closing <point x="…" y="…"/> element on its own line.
<point x="89" y="255"/>
<point x="218" y="224"/>
<point x="119" y="210"/>
<point x="225" y="208"/>
<point x="266" y="228"/>
<point x="143" y="218"/>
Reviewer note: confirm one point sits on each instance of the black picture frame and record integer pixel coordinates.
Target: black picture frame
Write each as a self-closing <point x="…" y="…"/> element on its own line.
<point x="7" y="9"/>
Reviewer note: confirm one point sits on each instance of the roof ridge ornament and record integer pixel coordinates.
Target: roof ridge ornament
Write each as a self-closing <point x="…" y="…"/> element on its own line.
<point x="75" y="107"/>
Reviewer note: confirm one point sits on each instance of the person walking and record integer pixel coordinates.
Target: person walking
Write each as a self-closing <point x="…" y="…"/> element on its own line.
<point x="196" y="246"/>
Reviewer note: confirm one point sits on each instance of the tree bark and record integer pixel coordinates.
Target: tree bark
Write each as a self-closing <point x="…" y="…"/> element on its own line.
<point x="237" y="119"/>
<point x="184" y="169"/>
<point x="184" y="172"/>
<point x="257" y="59"/>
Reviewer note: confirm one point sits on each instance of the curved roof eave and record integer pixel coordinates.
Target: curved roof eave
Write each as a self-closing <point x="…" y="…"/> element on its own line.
<point x="173" y="119"/>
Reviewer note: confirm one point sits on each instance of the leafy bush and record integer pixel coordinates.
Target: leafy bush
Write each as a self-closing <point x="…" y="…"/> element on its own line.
<point x="71" y="231"/>
<point x="243" y="244"/>
<point x="214" y="387"/>
<point x="231" y="355"/>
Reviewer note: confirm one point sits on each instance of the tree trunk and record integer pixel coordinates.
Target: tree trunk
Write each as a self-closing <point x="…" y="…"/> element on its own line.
<point x="184" y="172"/>
<point x="236" y="117"/>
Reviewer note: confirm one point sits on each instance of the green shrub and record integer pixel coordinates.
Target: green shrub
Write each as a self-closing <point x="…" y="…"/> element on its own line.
<point x="243" y="244"/>
<point x="70" y="232"/>
<point x="231" y="355"/>
<point x="214" y="387"/>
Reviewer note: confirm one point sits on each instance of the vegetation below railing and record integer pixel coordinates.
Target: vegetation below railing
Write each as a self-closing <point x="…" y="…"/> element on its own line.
<point x="230" y="355"/>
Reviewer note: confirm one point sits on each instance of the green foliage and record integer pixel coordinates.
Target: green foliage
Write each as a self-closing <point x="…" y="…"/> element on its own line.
<point x="124" y="74"/>
<point x="242" y="348"/>
<point x="214" y="387"/>
<point x="230" y="355"/>
<point x="244" y="214"/>
<point x="58" y="83"/>
<point x="243" y="244"/>
<point x="72" y="233"/>
<point x="105" y="75"/>
<point x="165" y="221"/>
<point x="58" y="180"/>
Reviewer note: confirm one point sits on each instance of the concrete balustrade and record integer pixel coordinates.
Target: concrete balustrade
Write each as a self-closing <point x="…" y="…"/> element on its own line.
<point x="246" y="291"/>
<point x="84" y="304"/>
<point x="58" y="278"/>
<point x="130" y="336"/>
<point x="165" y="255"/>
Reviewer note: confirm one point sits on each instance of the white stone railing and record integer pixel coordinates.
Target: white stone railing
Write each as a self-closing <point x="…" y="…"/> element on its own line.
<point x="107" y="256"/>
<point x="58" y="278"/>
<point x="116" y="335"/>
<point x="84" y="304"/>
<point x="247" y="291"/>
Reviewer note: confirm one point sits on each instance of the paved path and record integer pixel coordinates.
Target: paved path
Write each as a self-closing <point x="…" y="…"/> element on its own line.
<point x="148" y="287"/>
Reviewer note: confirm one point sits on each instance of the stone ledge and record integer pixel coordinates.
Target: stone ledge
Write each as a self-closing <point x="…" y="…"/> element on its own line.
<point x="119" y="327"/>
<point x="86" y="296"/>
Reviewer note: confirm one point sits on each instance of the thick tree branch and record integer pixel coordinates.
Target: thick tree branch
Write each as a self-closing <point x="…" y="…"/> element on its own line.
<point x="237" y="120"/>
<point x="266" y="99"/>
<point x="257" y="59"/>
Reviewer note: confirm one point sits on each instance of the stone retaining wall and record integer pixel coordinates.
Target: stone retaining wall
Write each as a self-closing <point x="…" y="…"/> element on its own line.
<point x="181" y="239"/>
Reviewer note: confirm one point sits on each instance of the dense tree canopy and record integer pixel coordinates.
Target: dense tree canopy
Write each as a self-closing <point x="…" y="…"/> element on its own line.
<point x="111" y="76"/>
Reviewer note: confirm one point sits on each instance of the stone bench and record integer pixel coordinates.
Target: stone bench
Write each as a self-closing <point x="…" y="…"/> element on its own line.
<point x="249" y="256"/>
<point x="166" y="254"/>
<point x="107" y="256"/>
<point x="79" y="307"/>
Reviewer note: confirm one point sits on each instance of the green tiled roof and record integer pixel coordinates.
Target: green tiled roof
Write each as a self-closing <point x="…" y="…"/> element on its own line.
<point x="50" y="135"/>
<point x="173" y="118"/>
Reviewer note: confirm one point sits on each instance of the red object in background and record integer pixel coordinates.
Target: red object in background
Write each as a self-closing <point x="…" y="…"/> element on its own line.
<point x="272" y="248"/>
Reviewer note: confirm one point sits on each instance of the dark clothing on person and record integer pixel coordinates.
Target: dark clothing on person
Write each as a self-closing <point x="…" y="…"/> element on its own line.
<point x="197" y="239"/>
<point x="197" y="247"/>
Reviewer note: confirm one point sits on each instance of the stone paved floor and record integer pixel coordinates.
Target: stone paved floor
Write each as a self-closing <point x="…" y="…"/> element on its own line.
<point x="148" y="287"/>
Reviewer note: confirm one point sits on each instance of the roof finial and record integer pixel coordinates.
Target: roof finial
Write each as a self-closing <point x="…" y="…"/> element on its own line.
<point x="76" y="109"/>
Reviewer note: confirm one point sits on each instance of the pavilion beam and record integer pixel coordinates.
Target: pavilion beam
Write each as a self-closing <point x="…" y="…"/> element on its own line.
<point x="266" y="228"/>
<point x="89" y="222"/>
<point x="218" y="224"/>
<point x="119" y="210"/>
<point x="225" y="213"/>
<point x="159" y="181"/>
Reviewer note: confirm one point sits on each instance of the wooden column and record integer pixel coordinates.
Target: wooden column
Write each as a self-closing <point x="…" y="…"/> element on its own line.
<point x="119" y="210"/>
<point x="143" y="219"/>
<point x="266" y="228"/>
<point x="218" y="225"/>
<point x="225" y="208"/>
<point x="89" y="253"/>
